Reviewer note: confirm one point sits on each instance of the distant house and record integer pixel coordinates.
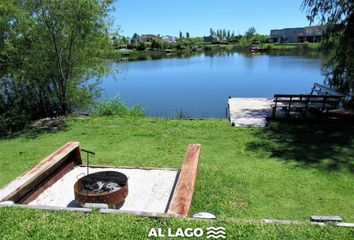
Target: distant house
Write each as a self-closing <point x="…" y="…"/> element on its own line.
<point x="311" y="34"/>
<point x="286" y="35"/>
<point x="211" y="38"/>
<point x="135" y="39"/>
<point x="297" y="35"/>
<point x="169" y="39"/>
<point x="149" y="37"/>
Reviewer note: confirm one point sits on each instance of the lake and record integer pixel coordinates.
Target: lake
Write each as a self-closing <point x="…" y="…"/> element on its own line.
<point x="199" y="86"/>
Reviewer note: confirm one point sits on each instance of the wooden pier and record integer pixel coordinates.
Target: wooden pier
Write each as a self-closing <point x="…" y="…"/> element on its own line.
<point x="249" y="112"/>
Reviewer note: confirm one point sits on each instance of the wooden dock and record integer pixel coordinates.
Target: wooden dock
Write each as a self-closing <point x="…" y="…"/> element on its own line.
<point x="249" y="112"/>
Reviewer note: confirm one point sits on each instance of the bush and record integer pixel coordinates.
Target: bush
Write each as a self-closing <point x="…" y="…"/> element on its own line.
<point x="116" y="108"/>
<point x="132" y="46"/>
<point x="141" y="46"/>
<point x="305" y="45"/>
<point x="12" y="121"/>
<point x="157" y="44"/>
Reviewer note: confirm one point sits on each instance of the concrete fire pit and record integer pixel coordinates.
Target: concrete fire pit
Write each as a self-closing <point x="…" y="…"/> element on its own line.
<point x="149" y="190"/>
<point x="50" y="185"/>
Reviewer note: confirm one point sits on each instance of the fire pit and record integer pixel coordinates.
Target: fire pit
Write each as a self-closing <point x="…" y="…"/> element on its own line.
<point x="107" y="187"/>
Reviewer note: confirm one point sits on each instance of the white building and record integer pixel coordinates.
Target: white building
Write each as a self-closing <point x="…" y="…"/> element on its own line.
<point x="169" y="39"/>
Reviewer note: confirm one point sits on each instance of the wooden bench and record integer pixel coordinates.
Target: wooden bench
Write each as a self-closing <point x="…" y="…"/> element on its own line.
<point x="320" y="100"/>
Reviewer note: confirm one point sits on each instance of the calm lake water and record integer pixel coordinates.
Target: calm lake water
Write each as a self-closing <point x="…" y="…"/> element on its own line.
<point x="199" y="86"/>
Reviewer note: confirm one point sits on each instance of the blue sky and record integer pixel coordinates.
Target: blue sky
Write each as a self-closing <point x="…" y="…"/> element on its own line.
<point x="197" y="16"/>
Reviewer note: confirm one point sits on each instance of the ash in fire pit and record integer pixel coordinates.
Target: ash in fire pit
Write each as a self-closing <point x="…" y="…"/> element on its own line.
<point x="100" y="187"/>
<point x="107" y="187"/>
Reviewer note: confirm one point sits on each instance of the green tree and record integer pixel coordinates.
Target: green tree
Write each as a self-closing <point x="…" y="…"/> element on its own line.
<point x="251" y="32"/>
<point x="338" y="17"/>
<point x="124" y="40"/>
<point x="136" y="36"/>
<point x="49" y="51"/>
<point x="224" y="33"/>
<point x="157" y="44"/>
<point x="218" y="33"/>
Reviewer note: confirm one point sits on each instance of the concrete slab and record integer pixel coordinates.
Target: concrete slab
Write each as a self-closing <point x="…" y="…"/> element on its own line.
<point x="326" y="219"/>
<point x="149" y="190"/>
<point x="345" y="224"/>
<point x="249" y="112"/>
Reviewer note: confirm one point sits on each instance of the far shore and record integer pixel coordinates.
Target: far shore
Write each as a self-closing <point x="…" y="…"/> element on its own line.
<point x="149" y="53"/>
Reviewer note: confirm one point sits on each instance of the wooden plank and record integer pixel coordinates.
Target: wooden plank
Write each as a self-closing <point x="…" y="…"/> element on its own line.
<point x="182" y="196"/>
<point x="46" y="183"/>
<point x="29" y="180"/>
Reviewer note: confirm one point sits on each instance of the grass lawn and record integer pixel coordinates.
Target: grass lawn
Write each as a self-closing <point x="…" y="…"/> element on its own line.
<point x="290" y="46"/>
<point x="280" y="172"/>
<point x="36" y="224"/>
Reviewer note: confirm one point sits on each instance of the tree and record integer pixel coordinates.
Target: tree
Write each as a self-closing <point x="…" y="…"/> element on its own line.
<point x="212" y="32"/>
<point x="224" y="33"/>
<point x="250" y="32"/>
<point x="124" y="40"/>
<point x="338" y="18"/>
<point x="156" y="44"/>
<point x="187" y="34"/>
<point x="136" y="36"/>
<point x="218" y="33"/>
<point x="49" y="53"/>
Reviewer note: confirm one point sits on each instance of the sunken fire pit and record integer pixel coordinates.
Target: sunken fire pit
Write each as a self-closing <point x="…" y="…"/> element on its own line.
<point x="106" y="187"/>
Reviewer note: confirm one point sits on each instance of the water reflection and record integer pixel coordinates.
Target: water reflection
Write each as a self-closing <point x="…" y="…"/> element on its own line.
<point x="198" y="84"/>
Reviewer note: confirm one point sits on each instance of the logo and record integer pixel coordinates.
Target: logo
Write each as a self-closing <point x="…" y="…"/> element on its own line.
<point x="212" y="232"/>
<point x="218" y="232"/>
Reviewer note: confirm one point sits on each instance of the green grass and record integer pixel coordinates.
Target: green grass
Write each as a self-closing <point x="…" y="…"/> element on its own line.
<point x="36" y="224"/>
<point x="292" y="46"/>
<point x="280" y="172"/>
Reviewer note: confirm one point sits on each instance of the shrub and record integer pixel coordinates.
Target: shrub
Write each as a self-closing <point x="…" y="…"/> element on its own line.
<point x="12" y="121"/>
<point x="115" y="107"/>
<point x="305" y="45"/>
<point x="141" y="46"/>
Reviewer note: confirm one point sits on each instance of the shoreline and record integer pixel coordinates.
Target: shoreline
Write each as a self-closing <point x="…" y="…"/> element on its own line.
<point x="197" y="49"/>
